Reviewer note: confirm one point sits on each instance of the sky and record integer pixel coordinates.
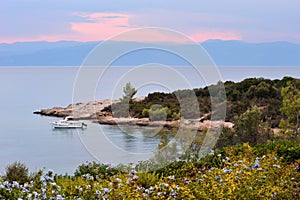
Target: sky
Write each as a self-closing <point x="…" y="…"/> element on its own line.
<point x="94" y="20"/>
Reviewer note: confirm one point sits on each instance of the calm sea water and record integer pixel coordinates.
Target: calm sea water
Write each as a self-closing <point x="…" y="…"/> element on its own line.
<point x="30" y="139"/>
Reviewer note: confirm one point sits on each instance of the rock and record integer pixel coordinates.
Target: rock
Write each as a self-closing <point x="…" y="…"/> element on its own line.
<point x="89" y="110"/>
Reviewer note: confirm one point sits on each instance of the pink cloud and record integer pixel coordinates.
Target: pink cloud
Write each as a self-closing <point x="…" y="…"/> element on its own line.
<point x="100" y="26"/>
<point x="103" y="26"/>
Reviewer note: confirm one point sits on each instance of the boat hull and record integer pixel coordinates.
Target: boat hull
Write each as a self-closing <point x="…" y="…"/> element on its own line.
<point x="63" y="124"/>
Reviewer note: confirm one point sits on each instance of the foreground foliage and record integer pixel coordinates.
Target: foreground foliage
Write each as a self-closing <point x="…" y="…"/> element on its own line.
<point x="269" y="171"/>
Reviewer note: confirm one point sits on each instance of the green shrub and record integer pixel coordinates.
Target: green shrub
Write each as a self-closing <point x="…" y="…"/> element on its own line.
<point x="16" y="172"/>
<point x="97" y="170"/>
<point x="147" y="179"/>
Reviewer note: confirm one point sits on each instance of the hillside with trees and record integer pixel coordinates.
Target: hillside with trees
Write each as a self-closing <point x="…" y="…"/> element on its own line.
<point x="240" y="96"/>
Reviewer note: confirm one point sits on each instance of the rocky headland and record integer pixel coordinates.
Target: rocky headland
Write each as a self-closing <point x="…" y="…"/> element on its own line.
<point x="92" y="111"/>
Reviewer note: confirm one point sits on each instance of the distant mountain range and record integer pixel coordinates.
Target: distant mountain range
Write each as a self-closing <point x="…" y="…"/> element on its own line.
<point x="224" y="53"/>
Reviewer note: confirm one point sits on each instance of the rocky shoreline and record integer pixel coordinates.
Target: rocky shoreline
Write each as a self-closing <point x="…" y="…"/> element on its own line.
<point x="89" y="110"/>
<point x="92" y="111"/>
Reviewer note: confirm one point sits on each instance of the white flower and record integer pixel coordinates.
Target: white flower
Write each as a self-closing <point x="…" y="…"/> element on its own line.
<point x="15" y="184"/>
<point x="98" y="192"/>
<point x="118" y="180"/>
<point x="128" y="180"/>
<point x="165" y="184"/>
<point x="135" y="177"/>
<point x="106" y="190"/>
<point x="171" y="177"/>
<point x="277" y="166"/>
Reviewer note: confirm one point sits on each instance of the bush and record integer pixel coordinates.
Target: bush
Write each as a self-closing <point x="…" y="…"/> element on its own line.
<point x="16" y="172"/>
<point x="97" y="170"/>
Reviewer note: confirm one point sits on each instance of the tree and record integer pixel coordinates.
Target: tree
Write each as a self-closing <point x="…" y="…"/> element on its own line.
<point x="124" y="107"/>
<point x="17" y="172"/>
<point x="291" y="109"/>
<point x="129" y="92"/>
<point x="247" y="125"/>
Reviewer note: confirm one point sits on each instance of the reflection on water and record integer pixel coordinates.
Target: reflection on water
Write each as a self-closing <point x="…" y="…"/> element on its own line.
<point x="133" y="139"/>
<point x="67" y="132"/>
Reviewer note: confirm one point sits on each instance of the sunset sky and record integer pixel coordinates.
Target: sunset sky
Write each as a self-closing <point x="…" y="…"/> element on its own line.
<point x="54" y="20"/>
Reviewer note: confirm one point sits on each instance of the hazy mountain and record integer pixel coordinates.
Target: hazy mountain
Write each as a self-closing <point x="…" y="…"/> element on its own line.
<point x="70" y="53"/>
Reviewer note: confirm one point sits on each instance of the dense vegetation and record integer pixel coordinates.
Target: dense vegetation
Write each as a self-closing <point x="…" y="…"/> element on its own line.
<point x="269" y="171"/>
<point x="240" y="96"/>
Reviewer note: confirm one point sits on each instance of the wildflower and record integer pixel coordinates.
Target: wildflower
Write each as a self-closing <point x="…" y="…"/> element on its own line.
<point x="165" y="184"/>
<point x="15" y="184"/>
<point x="35" y="194"/>
<point x="263" y="156"/>
<point x="135" y="177"/>
<point x="186" y="181"/>
<point x="212" y="169"/>
<point x="139" y="188"/>
<point x="255" y="166"/>
<point x="97" y="192"/>
<point x="88" y="187"/>
<point x="221" y="180"/>
<point x="145" y="195"/>
<point x="128" y="180"/>
<point x="217" y="177"/>
<point x="250" y="188"/>
<point x="219" y="155"/>
<point x="6" y="183"/>
<point x="171" y="178"/>
<point x="106" y="190"/>
<point x="273" y="195"/>
<point x="53" y="184"/>
<point x="59" y="197"/>
<point x="2" y="186"/>
<point x="277" y="166"/>
<point x="259" y="169"/>
<point x="118" y="180"/>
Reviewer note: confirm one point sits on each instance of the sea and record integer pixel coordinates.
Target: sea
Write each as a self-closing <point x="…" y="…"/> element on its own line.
<point x="30" y="138"/>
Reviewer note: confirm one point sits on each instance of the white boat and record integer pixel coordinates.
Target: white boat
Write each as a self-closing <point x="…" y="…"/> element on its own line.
<point x="68" y="122"/>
